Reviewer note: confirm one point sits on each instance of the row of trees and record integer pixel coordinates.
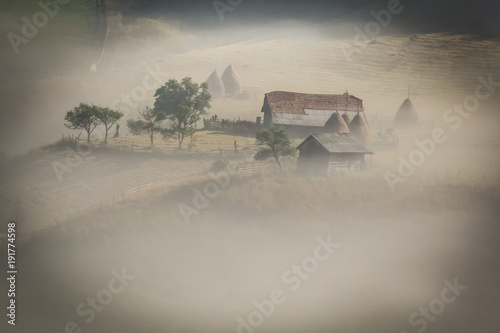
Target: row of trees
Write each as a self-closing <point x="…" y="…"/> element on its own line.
<point x="88" y="117"/>
<point x="179" y="105"/>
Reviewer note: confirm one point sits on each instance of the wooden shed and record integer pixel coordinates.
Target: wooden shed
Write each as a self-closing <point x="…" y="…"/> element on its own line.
<point x="324" y="153"/>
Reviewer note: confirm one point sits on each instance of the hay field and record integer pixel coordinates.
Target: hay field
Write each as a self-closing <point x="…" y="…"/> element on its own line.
<point x="203" y="142"/>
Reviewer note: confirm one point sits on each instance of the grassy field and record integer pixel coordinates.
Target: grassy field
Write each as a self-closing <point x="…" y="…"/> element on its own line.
<point x="204" y="142"/>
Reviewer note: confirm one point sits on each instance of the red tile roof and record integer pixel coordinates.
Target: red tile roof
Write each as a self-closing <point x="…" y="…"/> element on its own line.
<point x="295" y="103"/>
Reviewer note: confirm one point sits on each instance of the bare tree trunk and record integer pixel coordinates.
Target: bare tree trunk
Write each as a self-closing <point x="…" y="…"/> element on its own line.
<point x="279" y="163"/>
<point x="181" y="138"/>
<point x="152" y="140"/>
<point x="88" y="137"/>
<point x="106" y="137"/>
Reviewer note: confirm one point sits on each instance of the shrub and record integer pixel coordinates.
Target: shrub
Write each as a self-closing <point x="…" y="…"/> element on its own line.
<point x="219" y="165"/>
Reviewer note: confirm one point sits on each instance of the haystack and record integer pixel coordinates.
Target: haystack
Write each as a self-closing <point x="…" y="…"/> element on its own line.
<point x="232" y="81"/>
<point x="359" y="128"/>
<point x="346" y="118"/>
<point x="336" y="124"/>
<point x="215" y="85"/>
<point x="407" y="116"/>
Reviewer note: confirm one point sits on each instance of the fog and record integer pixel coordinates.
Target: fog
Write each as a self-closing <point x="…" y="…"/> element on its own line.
<point x="353" y="252"/>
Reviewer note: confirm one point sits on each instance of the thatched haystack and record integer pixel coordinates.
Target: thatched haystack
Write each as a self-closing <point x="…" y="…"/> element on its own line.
<point x="336" y="124"/>
<point x="232" y="81"/>
<point x="359" y="128"/>
<point x="406" y="117"/>
<point x="215" y="85"/>
<point x="346" y="118"/>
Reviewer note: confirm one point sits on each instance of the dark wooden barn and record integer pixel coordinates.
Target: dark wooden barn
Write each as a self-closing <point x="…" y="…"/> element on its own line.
<point x="302" y="114"/>
<point x="324" y="153"/>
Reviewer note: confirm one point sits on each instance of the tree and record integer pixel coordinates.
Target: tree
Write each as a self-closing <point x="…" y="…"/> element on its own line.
<point x="108" y="118"/>
<point x="136" y="127"/>
<point x="183" y="122"/>
<point x="183" y="103"/>
<point x="274" y="142"/>
<point x="151" y="122"/>
<point x="83" y="117"/>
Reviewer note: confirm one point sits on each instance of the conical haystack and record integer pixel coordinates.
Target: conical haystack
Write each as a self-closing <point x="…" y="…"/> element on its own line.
<point x="336" y="124"/>
<point x="346" y="118"/>
<point x="359" y="128"/>
<point x="215" y="85"/>
<point x="407" y="116"/>
<point x="232" y="81"/>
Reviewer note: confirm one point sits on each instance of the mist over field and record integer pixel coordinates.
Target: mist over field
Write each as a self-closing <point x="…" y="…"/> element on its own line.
<point x="124" y="238"/>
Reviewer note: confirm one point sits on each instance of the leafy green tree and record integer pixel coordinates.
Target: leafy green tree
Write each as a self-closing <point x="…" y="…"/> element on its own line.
<point x="151" y="122"/>
<point x="84" y="117"/>
<point x="108" y="118"/>
<point x="183" y="103"/>
<point x="183" y="124"/>
<point x="274" y="142"/>
<point x="136" y="127"/>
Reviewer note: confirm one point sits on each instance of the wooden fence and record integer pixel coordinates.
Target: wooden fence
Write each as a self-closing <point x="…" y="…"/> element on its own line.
<point x="70" y="138"/>
<point x="110" y="202"/>
<point x="249" y="170"/>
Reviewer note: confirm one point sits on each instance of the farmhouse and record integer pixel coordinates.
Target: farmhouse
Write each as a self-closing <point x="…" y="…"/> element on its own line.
<point x="307" y="113"/>
<point x="324" y="153"/>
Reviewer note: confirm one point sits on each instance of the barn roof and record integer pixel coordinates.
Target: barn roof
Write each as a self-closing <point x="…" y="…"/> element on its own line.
<point x="299" y="103"/>
<point x="338" y="143"/>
